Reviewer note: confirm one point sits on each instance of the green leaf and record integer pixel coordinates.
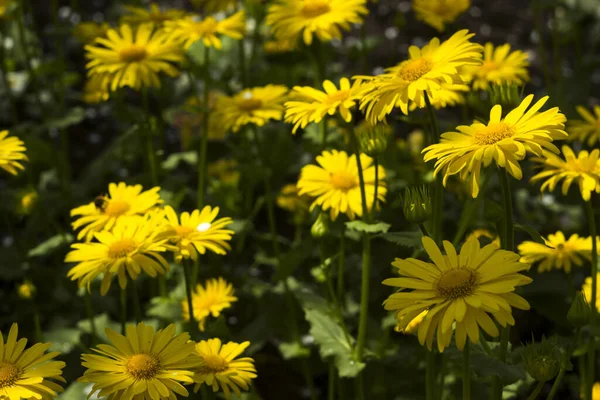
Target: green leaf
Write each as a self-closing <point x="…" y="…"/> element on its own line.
<point x="361" y="226"/>
<point x="188" y="157"/>
<point x="74" y="116"/>
<point x="50" y="245"/>
<point x="291" y="350"/>
<point x="535" y="235"/>
<point x="101" y="322"/>
<point x="484" y="365"/>
<point x="292" y="260"/>
<point x="196" y="52"/>
<point x="75" y="391"/>
<point x="165" y="308"/>
<point x="411" y="240"/>
<point x="62" y="339"/>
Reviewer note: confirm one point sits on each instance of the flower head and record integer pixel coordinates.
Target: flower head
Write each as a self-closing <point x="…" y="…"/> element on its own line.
<point x="500" y="66"/>
<point x="587" y="291"/>
<point x="484" y="233"/>
<point x="438" y="13"/>
<point x="506" y="141"/>
<point x="12" y="153"/>
<point x="412" y="326"/>
<point x="468" y="288"/>
<point x="557" y="253"/>
<point x="28" y="374"/>
<point x="279" y="46"/>
<point x="96" y="89"/>
<point x="191" y="29"/>
<point x="211" y="299"/>
<point x="87" y="32"/>
<point x="154" y="15"/>
<point x="26" y="290"/>
<point x="225" y="171"/>
<point x="221" y="369"/>
<point x="587" y="129"/>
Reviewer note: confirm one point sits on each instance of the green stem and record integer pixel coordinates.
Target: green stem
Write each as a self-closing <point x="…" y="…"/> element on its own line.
<point x="376" y="184"/>
<point x="319" y="63"/>
<point x="440" y="392"/>
<point x="188" y="292"/>
<point x="137" y="309"/>
<point x="28" y="58"/>
<point x="438" y="190"/>
<point x="148" y="134"/>
<point x="486" y="346"/>
<point x="556" y="384"/>
<point x="36" y="323"/>
<point x="331" y="382"/>
<point x="87" y="298"/>
<point x="204" y="138"/>
<point x="123" y="297"/>
<point x="536" y="391"/>
<point x="162" y="286"/>
<point x="6" y="84"/>
<point x="430" y="375"/>
<point x="423" y="230"/>
<point x="466" y="376"/>
<point x="593" y="320"/>
<point x="341" y="268"/>
<point x="242" y="59"/>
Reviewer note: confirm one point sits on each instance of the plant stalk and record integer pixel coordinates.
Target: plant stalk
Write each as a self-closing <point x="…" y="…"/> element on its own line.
<point x="536" y="391"/>
<point x="429" y="375"/>
<point x="123" y="298"/>
<point x="438" y="189"/>
<point x="188" y="292"/>
<point x="204" y="137"/>
<point x="593" y="320"/>
<point x="466" y="377"/>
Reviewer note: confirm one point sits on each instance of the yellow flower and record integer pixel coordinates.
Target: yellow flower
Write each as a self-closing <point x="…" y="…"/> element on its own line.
<point x="290" y="19"/>
<point x="196" y="232"/>
<point x="412" y="326"/>
<point x="256" y="106"/>
<point x="217" y="296"/>
<point x="424" y="72"/>
<point x="448" y="95"/>
<point x="587" y="291"/>
<point x="557" y="253"/>
<point x="133" y="58"/>
<point x="214" y="6"/>
<point x="290" y="200"/>
<point x="28" y="374"/>
<point x="12" y="153"/>
<point x="26" y="290"/>
<point x="96" y="89"/>
<point x="122" y="201"/>
<point x="311" y="105"/>
<point x="277" y="46"/>
<point x="335" y="184"/>
<point x="503" y="140"/>
<point x="587" y="129"/>
<point x="225" y="171"/>
<point x="191" y="29"/>
<point x="141" y="365"/>
<point x="27" y="201"/>
<point x="438" y="13"/>
<point x="499" y="67"/>
<point x="132" y="247"/>
<point x="154" y="15"/>
<point x="583" y="168"/>
<point x="596" y="391"/>
<point x="220" y="367"/>
<point x="6" y="6"/>
<point x="87" y="32"/>
<point x="479" y="233"/>
<point x="465" y="288"/>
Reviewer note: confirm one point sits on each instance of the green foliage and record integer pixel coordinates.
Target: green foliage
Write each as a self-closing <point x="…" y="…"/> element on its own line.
<point x="361" y="226"/>
<point x="50" y="245"/>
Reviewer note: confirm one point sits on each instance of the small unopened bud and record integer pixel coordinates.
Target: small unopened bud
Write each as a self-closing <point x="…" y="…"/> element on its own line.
<point x="26" y="290"/>
<point x="373" y="139"/>
<point x="580" y="312"/>
<point x="417" y="205"/>
<point x="507" y="95"/>
<point x="320" y="227"/>
<point x="542" y="360"/>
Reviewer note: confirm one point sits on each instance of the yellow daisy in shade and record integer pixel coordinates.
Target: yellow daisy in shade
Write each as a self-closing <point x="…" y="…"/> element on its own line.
<point x="500" y="66"/>
<point x="214" y="6"/>
<point x="28" y="374"/>
<point x="412" y="326"/>
<point x="96" y="89"/>
<point x="278" y="46"/>
<point x="588" y="129"/>
<point x="141" y="365"/>
<point x="121" y="201"/>
<point x="289" y="199"/>
<point x="132" y="247"/>
<point x="292" y="19"/>
<point x="191" y="29"/>
<point x="311" y="105"/>
<point x="484" y="233"/>
<point x="12" y="153"/>
<point x="506" y="141"/>
<point x="196" y="232"/>
<point x="424" y="72"/>
<point x="209" y="300"/>
<point x="467" y="289"/>
<point x="557" y="253"/>
<point x="154" y="14"/>
<point x="256" y="106"/>
<point x="225" y="171"/>
<point x="582" y="168"/>
<point x="587" y="291"/>
<point x="133" y="57"/>
<point x="221" y="369"/>
<point x="6" y="6"/>
<point x="87" y="32"/>
<point x="334" y="183"/>
<point x="438" y="13"/>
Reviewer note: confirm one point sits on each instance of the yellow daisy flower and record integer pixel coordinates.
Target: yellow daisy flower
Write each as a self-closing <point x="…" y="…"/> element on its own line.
<point x="191" y="29"/>
<point x="87" y="32"/>
<point x="196" y="232"/>
<point x="335" y="186"/>
<point x="141" y="365"/>
<point x="438" y="13"/>
<point x="587" y="291"/>
<point x="28" y="374"/>
<point x="412" y="326"/>
<point x="278" y="46"/>
<point x="257" y="106"/>
<point x="12" y="153"/>
<point x="595" y="391"/>
<point x="290" y="200"/>
<point x="221" y="369"/>
<point x="225" y="171"/>
<point x="587" y="129"/>
<point x="217" y="296"/>
<point x="503" y="140"/>
<point x="583" y="168"/>
<point x="6" y="6"/>
<point x="122" y="201"/>
<point x="133" y="58"/>
<point x="27" y="200"/>
<point x="557" y="253"/>
<point x="154" y="15"/>
<point x="26" y="290"/>
<point x="290" y="19"/>
<point x="448" y="95"/>
<point x="132" y="247"/>
<point x="484" y="233"/>
<point x="96" y="89"/>
<point x="214" y="6"/>
<point x="424" y="72"/>
<point x="500" y="66"/>
<point x="311" y="105"/>
<point x="465" y="288"/>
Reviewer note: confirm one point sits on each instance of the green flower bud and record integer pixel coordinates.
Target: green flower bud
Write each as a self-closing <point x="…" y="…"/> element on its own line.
<point x="507" y="95"/>
<point x="417" y="204"/>
<point x="321" y="226"/>
<point x="580" y="312"/>
<point x="542" y="360"/>
<point x="373" y="139"/>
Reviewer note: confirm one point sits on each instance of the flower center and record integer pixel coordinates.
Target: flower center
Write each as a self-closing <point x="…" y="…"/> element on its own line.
<point x="340" y="96"/>
<point x="314" y="8"/>
<point x="116" y="208"/>
<point x="133" y="53"/>
<point x="560" y="247"/>
<point x="207" y="27"/>
<point x="343" y="180"/>
<point x="487" y="67"/>
<point x="122" y="248"/>
<point x="493" y="133"/>
<point x="248" y="103"/>
<point x="9" y="374"/>
<point x="414" y="69"/>
<point x="215" y="363"/>
<point x="183" y="231"/>
<point x="143" y="366"/>
<point x="455" y="283"/>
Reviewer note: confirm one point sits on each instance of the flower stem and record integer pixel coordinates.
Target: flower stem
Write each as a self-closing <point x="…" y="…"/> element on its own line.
<point x="36" y="322"/>
<point x="149" y="138"/>
<point x="28" y="58"/>
<point x="593" y="320"/>
<point x="341" y="268"/>
<point x="430" y="375"/>
<point x="188" y="293"/>
<point x="242" y="60"/>
<point x="439" y="394"/>
<point x="204" y="137"/>
<point x="536" y="391"/>
<point x="438" y="190"/>
<point x="556" y="384"/>
<point x="137" y="309"/>
<point x="374" y="207"/>
<point x="90" y="314"/>
<point x="123" y="309"/>
<point x="331" y="382"/>
<point x="466" y="377"/>
<point x="6" y="84"/>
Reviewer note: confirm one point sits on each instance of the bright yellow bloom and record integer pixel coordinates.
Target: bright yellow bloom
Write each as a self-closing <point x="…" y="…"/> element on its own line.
<point x="412" y="326"/>
<point x="587" y="291"/>
<point x="596" y="391"/>
<point x="134" y="58"/>
<point x="311" y="105"/>
<point x="217" y="296"/>
<point x="290" y="200"/>
<point x="153" y="15"/>
<point x="26" y="290"/>
<point x="27" y="199"/>
<point x="499" y="67"/>
<point x="587" y="129"/>
<point x="196" y="232"/>
<point x="503" y="140"/>
<point x="438" y="13"/>
<point x="291" y="19"/>
<point x="424" y="72"/>
<point x="12" y="153"/>
<point x="191" y="29"/>
<point x="214" y="6"/>
<point x="141" y="365"/>
<point x="278" y="46"/>
<point x="335" y="184"/>
<point x="557" y="253"/>
<point x="256" y="106"/>
<point x="221" y="369"/>
<point x="132" y="247"/>
<point x="96" y="89"/>
<point x="479" y="233"/>
<point x="465" y="288"/>
<point x="190" y="120"/>
<point x="87" y="32"/>
<point x="448" y="95"/>
<point x="121" y="202"/>
<point x="28" y="374"/>
<point x="583" y="168"/>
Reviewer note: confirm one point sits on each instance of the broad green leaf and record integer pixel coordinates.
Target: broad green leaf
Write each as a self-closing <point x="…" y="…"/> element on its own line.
<point x="535" y="235"/>
<point x="166" y="308"/>
<point x="76" y="391"/>
<point x="291" y="350"/>
<point x="411" y="240"/>
<point x="50" y="245"/>
<point x="484" y="365"/>
<point x="361" y="226"/>
<point x="188" y="157"/>
<point x="101" y="322"/>
<point x="62" y="339"/>
<point x="73" y="117"/>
